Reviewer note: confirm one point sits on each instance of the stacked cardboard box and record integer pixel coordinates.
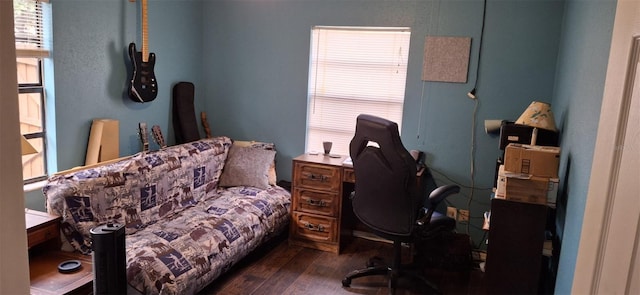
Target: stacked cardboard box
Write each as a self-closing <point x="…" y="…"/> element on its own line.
<point x="529" y="174"/>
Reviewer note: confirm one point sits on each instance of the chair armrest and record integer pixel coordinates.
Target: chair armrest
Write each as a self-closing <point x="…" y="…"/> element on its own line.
<point x="435" y="197"/>
<point x="441" y="193"/>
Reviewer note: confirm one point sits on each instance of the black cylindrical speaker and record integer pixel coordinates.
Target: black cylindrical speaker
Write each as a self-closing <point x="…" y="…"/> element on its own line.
<point x="109" y="267"/>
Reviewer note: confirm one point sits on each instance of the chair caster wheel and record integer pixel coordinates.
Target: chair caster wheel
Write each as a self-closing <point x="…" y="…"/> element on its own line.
<point x="346" y="282"/>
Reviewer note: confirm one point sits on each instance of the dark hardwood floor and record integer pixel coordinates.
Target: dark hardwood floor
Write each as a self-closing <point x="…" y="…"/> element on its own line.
<point x="277" y="268"/>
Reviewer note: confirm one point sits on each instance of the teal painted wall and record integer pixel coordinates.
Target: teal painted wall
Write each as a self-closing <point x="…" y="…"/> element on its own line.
<point x="249" y="61"/>
<point x="91" y="68"/>
<point x="90" y="65"/>
<point x="256" y="68"/>
<point x="582" y="64"/>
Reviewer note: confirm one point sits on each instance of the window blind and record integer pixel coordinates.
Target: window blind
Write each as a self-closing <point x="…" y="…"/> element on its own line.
<point x="29" y="28"/>
<point x="354" y="70"/>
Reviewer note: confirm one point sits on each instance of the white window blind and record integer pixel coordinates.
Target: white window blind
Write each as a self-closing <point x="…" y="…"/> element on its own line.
<point x="29" y="28"/>
<point x="354" y="70"/>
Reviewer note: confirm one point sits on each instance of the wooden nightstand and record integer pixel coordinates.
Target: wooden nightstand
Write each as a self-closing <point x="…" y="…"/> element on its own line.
<point x="317" y="198"/>
<point x="42" y="229"/>
<point x="43" y="235"/>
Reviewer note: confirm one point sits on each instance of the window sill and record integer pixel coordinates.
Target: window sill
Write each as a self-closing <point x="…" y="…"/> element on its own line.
<point x="34" y="186"/>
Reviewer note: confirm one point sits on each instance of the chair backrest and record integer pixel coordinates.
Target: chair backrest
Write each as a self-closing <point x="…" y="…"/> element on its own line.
<point x="386" y="198"/>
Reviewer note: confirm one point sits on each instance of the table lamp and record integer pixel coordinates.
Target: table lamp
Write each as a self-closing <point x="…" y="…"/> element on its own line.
<point x="27" y="148"/>
<point x="537" y="115"/>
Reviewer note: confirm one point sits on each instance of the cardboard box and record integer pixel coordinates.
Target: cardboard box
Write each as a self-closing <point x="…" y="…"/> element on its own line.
<point x="526" y="188"/>
<point x="540" y="161"/>
<point x="552" y="192"/>
<point x="501" y="183"/>
<point x="532" y="190"/>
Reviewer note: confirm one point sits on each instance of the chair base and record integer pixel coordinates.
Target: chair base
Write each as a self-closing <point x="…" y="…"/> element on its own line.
<point x="393" y="272"/>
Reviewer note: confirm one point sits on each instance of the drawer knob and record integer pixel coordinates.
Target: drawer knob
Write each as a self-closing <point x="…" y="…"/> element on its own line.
<point x="316" y="177"/>
<point x="311" y="227"/>
<point x="317" y="203"/>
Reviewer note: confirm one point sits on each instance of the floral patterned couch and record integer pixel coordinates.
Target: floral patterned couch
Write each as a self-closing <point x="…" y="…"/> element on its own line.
<point x="183" y="229"/>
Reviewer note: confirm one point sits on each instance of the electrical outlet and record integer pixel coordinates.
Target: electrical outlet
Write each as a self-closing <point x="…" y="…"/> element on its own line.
<point x="463" y="215"/>
<point x="452" y="212"/>
<point x="479" y="255"/>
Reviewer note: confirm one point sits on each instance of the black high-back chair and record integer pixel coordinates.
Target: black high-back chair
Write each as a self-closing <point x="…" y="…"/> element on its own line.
<point x="391" y="195"/>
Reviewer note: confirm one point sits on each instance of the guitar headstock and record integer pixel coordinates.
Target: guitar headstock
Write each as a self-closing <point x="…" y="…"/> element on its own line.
<point x="144" y="137"/>
<point x="157" y="136"/>
<point x="205" y="124"/>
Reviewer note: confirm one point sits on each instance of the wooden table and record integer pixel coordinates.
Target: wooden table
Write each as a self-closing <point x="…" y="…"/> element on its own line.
<point x="43" y="235"/>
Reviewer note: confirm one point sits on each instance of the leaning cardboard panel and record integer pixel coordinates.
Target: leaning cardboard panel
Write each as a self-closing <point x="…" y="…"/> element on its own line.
<point x="104" y="142"/>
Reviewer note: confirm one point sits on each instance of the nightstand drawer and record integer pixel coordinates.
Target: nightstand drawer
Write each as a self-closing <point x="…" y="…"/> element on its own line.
<point x="43" y="234"/>
<point x="316" y="202"/>
<point x="319" y="177"/>
<point x="349" y="175"/>
<point x="314" y="227"/>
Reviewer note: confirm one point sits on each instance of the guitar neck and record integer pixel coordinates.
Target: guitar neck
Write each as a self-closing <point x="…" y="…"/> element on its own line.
<point x="145" y="33"/>
<point x="205" y="124"/>
<point x="142" y="127"/>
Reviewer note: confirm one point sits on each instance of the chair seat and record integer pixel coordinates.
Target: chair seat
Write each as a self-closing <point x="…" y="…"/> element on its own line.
<point x="439" y="223"/>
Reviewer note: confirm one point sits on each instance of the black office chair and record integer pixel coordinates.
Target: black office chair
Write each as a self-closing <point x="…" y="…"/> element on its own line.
<point x="390" y="198"/>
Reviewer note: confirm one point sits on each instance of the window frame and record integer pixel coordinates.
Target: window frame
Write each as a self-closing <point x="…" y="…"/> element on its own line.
<point x="37" y="88"/>
<point x="39" y="53"/>
<point x="372" y="86"/>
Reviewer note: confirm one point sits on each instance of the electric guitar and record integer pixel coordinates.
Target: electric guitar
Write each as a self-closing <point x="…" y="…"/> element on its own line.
<point x="144" y="139"/>
<point x="205" y="124"/>
<point x="143" y="86"/>
<point x="157" y="136"/>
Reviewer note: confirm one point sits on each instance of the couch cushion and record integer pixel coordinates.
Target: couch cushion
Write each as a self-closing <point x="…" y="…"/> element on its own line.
<point x="247" y="166"/>
<point x="185" y="252"/>
<point x="138" y="191"/>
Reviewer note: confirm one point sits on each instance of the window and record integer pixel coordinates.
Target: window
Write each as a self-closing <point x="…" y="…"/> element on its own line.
<point x="354" y="70"/>
<point x="29" y="29"/>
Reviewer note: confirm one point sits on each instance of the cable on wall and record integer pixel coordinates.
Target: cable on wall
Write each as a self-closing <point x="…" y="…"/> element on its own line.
<point x="472" y="93"/>
<point x="420" y="114"/>
<point x="442" y="175"/>
<point x="434" y="14"/>
<point x="473" y="159"/>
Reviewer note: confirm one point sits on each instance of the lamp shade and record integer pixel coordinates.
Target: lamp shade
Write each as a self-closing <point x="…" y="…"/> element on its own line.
<point x="538" y="115"/>
<point x="27" y="148"/>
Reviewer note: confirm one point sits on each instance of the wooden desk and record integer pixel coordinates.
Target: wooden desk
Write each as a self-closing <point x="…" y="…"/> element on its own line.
<point x="317" y="193"/>
<point x="43" y="235"/>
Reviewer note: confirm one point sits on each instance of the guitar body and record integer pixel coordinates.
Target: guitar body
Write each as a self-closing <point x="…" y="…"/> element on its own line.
<point x="143" y="86"/>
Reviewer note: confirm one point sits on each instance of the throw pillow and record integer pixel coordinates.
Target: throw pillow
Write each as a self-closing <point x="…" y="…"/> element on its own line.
<point x="246" y="166"/>
<point x="262" y="145"/>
